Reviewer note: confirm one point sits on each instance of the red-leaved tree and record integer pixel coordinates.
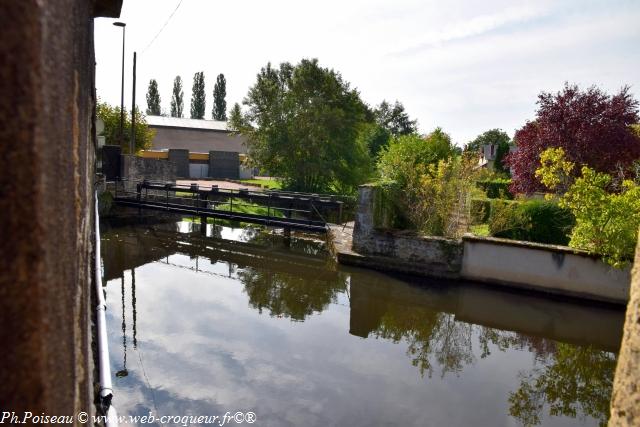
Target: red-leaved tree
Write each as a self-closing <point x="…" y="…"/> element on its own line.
<point x="591" y="126"/>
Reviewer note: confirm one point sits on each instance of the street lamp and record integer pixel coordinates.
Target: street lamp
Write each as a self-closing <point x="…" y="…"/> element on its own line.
<point x="121" y="24"/>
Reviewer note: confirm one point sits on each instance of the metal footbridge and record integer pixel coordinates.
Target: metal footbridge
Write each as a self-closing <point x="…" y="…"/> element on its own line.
<point x="282" y="209"/>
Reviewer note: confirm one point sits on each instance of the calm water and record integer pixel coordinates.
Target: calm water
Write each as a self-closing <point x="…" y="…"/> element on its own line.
<point x="239" y="320"/>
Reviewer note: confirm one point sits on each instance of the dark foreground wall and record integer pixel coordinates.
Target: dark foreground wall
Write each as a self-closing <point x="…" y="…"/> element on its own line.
<point x="46" y="185"/>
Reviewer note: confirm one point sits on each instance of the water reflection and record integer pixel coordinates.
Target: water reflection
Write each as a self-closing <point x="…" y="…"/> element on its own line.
<point x="476" y="356"/>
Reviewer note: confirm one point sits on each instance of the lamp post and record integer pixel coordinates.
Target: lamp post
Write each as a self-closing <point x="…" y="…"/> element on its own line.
<point x="121" y="24"/>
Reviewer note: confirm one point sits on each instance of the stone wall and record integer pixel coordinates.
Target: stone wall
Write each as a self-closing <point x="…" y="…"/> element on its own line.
<point x="402" y="251"/>
<point x="625" y="402"/>
<point x="136" y="169"/>
<point x="180" y="158"/>
<point x="46" y="204"/>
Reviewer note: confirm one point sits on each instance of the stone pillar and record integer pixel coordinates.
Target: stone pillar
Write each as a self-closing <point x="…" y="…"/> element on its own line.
<point x="625" y="401"/>
<point x="181" y="159"/>
<point x="47" y="149"/>
<point x="364" y="223"/>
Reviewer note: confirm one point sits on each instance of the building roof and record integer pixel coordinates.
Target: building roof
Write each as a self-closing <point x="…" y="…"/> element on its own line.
<point x="179" y="122"/>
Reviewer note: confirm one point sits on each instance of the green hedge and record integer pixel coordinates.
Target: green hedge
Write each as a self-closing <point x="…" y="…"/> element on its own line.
<point x="533" y="220"/>
<point x="496" y="188"/>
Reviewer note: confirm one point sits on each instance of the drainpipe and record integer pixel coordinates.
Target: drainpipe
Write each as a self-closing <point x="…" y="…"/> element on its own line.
<point x="106" y="389"/>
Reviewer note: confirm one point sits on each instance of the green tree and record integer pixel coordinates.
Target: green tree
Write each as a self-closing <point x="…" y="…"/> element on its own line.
<point x="111" y="118"/>
<point x="177" y="98"/>
<point x="198" y="101"/>
<point x="219" y="103"/>
<point x="302" y="124"/>
<point x="405" y="153"/>
<point x="375" y="138"/>
<point x="235" y="116"/>
<point x="394" y="119"/>
<point x="153" y="99"/>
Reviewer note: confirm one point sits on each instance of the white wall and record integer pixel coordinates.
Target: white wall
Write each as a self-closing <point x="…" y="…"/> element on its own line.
<point x="552" y="269"/>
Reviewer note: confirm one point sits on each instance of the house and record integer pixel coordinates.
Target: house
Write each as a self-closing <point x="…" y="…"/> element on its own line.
<point x="200" y="148"/>
<point x="488" y="153"/>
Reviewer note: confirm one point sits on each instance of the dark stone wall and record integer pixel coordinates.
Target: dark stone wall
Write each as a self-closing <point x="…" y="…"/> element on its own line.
<point x="137" y="169"/>
<point x="47" y="103"/>
<point x="224" y="164"/>
<point x="181" y="159"/>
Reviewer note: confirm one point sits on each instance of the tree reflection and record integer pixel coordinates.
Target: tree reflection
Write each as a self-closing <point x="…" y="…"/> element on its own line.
<point x="290" y="295"/>
<point x="573" y="382"/>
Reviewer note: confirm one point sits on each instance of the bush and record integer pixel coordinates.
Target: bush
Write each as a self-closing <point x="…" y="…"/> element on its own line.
<point x="496" y="188"/>
<point x="534" y="221"/>
<point x="607" y="210"/>
<point x="480" y="210"/>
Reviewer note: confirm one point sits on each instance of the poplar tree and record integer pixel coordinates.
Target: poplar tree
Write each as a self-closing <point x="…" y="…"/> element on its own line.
<point x="153" y="99"/>
<point x="198" y="96"/>
<point x="219" y="103"/>
<point x="177" y="103"/>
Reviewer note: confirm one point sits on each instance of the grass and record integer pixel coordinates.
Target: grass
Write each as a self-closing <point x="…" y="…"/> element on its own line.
<point x="480" y="230"/>
<point x="270" y="183"/>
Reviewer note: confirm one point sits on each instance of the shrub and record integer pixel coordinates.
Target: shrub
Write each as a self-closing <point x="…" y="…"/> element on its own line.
<point x="437" y="197"/>
<point x="496" y="188"/>
<point x="480" y="210"/>
<point x="607" y="213"/>
<point x="533" y="220"/>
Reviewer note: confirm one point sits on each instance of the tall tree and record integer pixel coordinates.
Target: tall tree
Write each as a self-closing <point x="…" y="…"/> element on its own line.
<point x="593" y="128"/>
<point x="235" y="116"/>
<point x="302" y="124"/>
<point x="198" y="101"/>
<point x="219" y="94"/>
<point x="177" y="98"/>
<point x="153" y="99"/>
<point x="395" y="119"/>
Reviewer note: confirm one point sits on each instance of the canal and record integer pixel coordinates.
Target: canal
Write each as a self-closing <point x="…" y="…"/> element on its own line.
<point x="204" y="321"/>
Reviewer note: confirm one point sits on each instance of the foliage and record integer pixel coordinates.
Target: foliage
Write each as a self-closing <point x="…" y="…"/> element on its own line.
<point x="405" y="153"/>
<point x="533" y="220"/>
<point x="111" y="118"/>
<point x="153" y="99"/>
<point x="302" y="124"/>
<point x="437" y="196"/>
<point x="497" y="188"/>
<point x="374" y="137"/>
<point x="235" y="116"/>
<point x="555" y="170"/>
<point x="198" y="100"/>
<point x="219" y="103"/>
<point x="394" y="119"/>
<point x="177" y="98"/>
<point x="480" y="210"/>
<point x="591" y="126"/>
<point x="607" y="214"/>
<point x="493" y="136"/>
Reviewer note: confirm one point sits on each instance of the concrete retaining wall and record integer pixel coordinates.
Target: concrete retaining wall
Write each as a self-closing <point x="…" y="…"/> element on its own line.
<point x="555" y="269"/>
<point x="524" y="265"/>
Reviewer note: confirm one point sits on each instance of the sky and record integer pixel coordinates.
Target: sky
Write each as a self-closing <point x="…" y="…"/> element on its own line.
<point x="466" y="66"/>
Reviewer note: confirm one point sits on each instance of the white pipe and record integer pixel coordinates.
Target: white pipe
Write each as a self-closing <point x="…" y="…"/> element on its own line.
<point x="106" y="389"/>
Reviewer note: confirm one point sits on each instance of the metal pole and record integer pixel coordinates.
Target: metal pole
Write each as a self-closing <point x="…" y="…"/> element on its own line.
<point x="132" y="142"/>
<point x="122" y="93"/>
